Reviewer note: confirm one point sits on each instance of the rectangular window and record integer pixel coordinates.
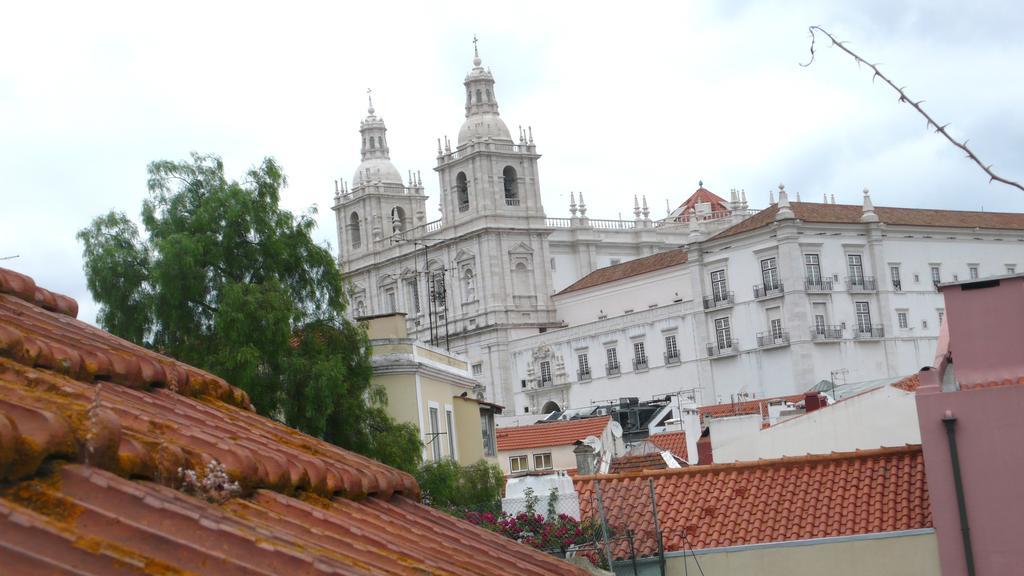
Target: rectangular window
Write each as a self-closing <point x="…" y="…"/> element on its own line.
<point x="413" y="289"/>
<point x="518" y="464"/>
<point x="776" y="329"/>
<point x="719" y="287"/>
<point x="936" y="275"/>
<point x="894" y="272"/>
<point x="819" y="323"/>
<point x="770" y="274"/>
<point x="487" y="429"/>
<point x="812" y="269"/>
<point x="855" y="265"/>
<point x="942" y="315"/>
<point x="901" y="318"/>
<point x="723" y="333"/>
<point x="542" y="461"/>
<point x="973" y="270"/>
<point x="639" y="354"/>
<point x="1011" y="269"/>
<point x="671" y="348"/>
<point x="435" y="433"/>
<point x="450" y="421"/>
<point x="583" y="365"/>
<point x="613" y="360"/>
<point x="863" y="317"/>
<point x="478" y="369"/>
<point x="545" y="372"/>
<point x="390" y="300"/>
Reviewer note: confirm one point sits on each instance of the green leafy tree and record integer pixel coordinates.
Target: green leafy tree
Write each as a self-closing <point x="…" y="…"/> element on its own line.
<point x="459" y="489"/>
<point x="226" y="280"/>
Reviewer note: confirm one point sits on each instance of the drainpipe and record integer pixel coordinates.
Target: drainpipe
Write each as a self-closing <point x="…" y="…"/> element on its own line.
<point x="950" y="422"/>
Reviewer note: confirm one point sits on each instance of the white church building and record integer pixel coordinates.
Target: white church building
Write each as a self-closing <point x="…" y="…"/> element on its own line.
<point x="717" y="299"/>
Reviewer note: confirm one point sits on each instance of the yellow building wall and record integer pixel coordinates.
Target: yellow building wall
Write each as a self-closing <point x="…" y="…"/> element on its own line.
<point x="401" y="389"/>
<point x="916" y="555"/>
<point x="441" y="393"/>
<point x="469" y="434"/>
<point x="562" y="457"/>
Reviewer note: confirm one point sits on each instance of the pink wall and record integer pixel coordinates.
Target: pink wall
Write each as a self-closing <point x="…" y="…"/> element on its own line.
<point x="990" y="442"/>
<point x="986" y="329"/>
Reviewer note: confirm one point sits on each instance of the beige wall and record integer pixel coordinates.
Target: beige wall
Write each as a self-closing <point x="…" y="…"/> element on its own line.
<point x="916" y="555"/>
<point x="562" y="457"/>
<point x="470" y="442"/>
<point x="389" y="326"/>
<point x="401" y="389"/>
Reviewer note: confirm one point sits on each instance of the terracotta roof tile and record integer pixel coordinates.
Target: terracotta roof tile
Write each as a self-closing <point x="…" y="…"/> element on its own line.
<point x="702" y="195"/>
<point x="767" y="501"/>
<point x="94" y="430"/>
<point x="644" y="265"/>
<point x="674" y="442"/>
<point x="746" y="407"/>
<point x="851" y="213"/>
<point x="558" y="433"/>
<point x="637" y="463"/>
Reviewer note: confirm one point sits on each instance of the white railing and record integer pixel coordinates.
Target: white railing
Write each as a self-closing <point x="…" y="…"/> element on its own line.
<point x="558" y="222"/>
<point x="613" y="224"/>
<point x="414" y="232"/>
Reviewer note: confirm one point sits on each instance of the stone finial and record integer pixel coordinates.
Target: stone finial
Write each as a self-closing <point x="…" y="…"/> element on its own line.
<point x="439" y="151"/>
<point x="743" y="196"/>
<point x="668" y="208"/>
<point x="833" y="198"/>
<point x="529" y="130"/>
<point x="824" y="198"/>
<point x="771" y="197"/>
<point x="694" y="225"/>
<point x="583" y="207"/>
<point x="572" y="204"/>
<point x="868" y="211"/>
<point x="636" y="208"/>
<point x="337" y="189"/>
<point x="646" y="211"/>
<point x="785" y="212"/>
<point x="797" y="195"/>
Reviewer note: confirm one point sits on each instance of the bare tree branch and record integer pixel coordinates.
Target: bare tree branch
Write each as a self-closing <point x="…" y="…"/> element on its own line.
<point x="931" y="123"/>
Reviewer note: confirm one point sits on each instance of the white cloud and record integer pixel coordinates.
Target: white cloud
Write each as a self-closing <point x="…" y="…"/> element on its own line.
<point x="645" y="98"/>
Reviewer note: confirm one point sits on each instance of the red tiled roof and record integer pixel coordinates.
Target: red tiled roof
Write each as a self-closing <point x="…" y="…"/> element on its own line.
<point x="851" y="213"/>
<point x="701" y="196"/>
<point x="800" y="498"/>
<point x="637" y="463"/>
<point x="557" y="433"/>
<point x="746" y="407"/>
<point x="95" y="430"/>
<point x="651" y="263"/>
<point x="909" y="384"/>
<point x="674" y="442"/>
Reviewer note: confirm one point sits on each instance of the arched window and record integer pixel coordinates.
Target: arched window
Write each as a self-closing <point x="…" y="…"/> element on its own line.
<point x="479" y="99"/>
<point x="373" y="143"/>
<point x="488" y="95"/>
<point x="360" y="309"/>
<point x="549" y="407"/>
<point x="380" y="141"/>
<point x="462" y="191"/>
<point x="511" y="186"/>
<point x="397" y="219"/>
<point x="468" y="285"/>
<point x="353" y="230"/>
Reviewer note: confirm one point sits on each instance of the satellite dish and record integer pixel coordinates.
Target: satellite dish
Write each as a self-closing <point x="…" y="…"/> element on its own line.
<point x="594" y="442"/>
<point x="616" y="430"/>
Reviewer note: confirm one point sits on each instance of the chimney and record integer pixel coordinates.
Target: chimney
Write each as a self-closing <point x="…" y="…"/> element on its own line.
<point x="586" y="459"/>
<point x="814" y="401"/>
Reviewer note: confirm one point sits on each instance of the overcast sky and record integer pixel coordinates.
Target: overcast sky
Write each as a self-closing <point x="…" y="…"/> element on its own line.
<point x="643" y="99"/>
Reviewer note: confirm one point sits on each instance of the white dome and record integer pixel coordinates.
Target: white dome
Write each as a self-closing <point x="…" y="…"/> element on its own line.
<point x="379" y="169"/>
<point x="479" y="126"/>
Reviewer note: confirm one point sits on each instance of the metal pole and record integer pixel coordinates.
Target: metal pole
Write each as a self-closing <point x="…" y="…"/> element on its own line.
<point x="950" y="422"/>
<point x="632" y="550"/>
<point x="657" y="529"/>
<point x="604" y="525"/>
<point x="444" y="294"/>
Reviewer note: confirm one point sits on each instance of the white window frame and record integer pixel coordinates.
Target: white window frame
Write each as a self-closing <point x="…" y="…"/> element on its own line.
<point x="639" y="352"/>
<point x="478" y="369"/>
<point x="858" y="276"/>
<point x="723" y="333"/>
<point x="512" y="469"/>
<point x="820" y="324"/>
<point x="453" y="445"/>
<point x="776" y="329"/>
<point x="543" y="456"/>
<point x="812" y="269"/>
<point x="583" y="364"/>
<point x="903" y="319"/>
<point x="719" y="286"/>
<point x="545" y="372"/>
<point x="611" y="354"/>
<point x="770" y="274"/>
<point x="936" y="273"/>
<point x="671" y="347"/>
<point x="973" y="271"/>
<point x="863" y="314"/>
<point x="1011" y="269"/>
<point x="434" y="421"/>
<point x="894" y="277"/>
